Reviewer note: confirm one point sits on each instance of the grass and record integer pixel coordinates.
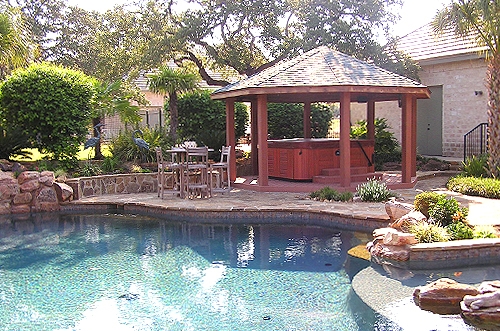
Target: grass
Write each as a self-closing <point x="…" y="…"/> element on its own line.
<point x="82" y="154"/>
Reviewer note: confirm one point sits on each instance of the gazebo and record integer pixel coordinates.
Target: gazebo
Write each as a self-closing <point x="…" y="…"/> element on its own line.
<point x="323" y="75"/>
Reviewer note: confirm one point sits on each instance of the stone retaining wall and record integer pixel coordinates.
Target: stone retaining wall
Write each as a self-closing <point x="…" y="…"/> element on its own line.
<point x="113" y="184"/>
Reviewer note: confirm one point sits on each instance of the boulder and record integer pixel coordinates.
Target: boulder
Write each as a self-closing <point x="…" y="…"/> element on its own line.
<point x="47" y="178"/>
<point x="395" y="253"/>
<point x="484" y="319"/>
<point x="28" y="176"/>
<point x="64" y="192"/>
<point x="406" y="221"/>
<point x="29" y="186"/>
<point x="23" y="198"/>
<point x="396" y="209"/>
<point x="442" y="296"/>
<point x="399" y="239"/>
<point x="382" y="232"/>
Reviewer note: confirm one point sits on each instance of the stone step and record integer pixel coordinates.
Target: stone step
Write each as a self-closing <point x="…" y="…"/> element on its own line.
<point x="336" y="171"/>
<point x="354" y="178"/>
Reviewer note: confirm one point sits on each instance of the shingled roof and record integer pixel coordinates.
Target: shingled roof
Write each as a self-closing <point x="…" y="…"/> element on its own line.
<point x="424" y="44"/>
<point x="321" y="71"/>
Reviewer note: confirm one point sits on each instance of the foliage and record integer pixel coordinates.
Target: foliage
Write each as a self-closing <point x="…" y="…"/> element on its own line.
<point x="13" y="142"/>
<point x="484" y="231"/>
<point x="204" y="120"/>
<point x="428" y="233"/>
<point x="387" y="147"/>
<point x="459" y="230"/>
<point x="171" y="82"/>
<point x="329" y="194"/>
<point x="447" y="211"/>
<point x="483" y="187"/>
<point x="285" y="120"/>
<point x="480" y="18"/>
<point x="476" y="166"/>
<point x="374" y="191"/>
<point x="88" y="169"/>
<point x="51" y="105"/>
<point x="426" y="200"/>
<point x="124" y="149"/>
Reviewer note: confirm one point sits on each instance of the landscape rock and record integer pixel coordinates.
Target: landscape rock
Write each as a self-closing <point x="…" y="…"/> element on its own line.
<point x="64" y="192"/>
<point x="396" y="253"/>
<point x="443" y="296"/>
<point x="396" y="209"/>
<point x="28" y="176"/>
<point x="399" y="239"/>
<point x="406" y="221"/>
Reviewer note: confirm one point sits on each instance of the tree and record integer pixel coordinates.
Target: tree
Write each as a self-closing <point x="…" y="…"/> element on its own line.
<point x="246" y="37"/>
<point x="51" y="105"/>
<point x="481" y="18"/>
<point x="15" y="46"/>
<point x="171" y="82"/>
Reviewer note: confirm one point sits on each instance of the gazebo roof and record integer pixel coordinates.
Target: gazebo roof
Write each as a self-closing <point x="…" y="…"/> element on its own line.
<point x="322" y="74"/>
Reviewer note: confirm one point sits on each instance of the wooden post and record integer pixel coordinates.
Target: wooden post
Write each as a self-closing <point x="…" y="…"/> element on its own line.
<point x="370" y="120"/>
<point x="262" y="140"/>
<point x="307" y="120"/>
<point x="414" y="139"/>
<point x="230" y="136"/>
<point x="406" y="138"/>
<point x="254" y="131"/>
<point x="345" y="140"/>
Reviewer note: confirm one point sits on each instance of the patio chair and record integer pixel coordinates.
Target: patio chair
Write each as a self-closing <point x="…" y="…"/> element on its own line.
<point x="196" y="177"/>
<point x="169" y="174"/>
<point x="221" y="171"/>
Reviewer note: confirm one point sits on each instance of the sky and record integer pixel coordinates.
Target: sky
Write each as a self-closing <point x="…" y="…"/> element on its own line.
<point x="414" y="13"/>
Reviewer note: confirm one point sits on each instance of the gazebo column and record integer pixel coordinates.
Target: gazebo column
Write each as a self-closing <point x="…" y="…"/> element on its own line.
<point x="254" y="131"/>
<point x="307" y="120"/>
<point x="370" y="120"/>
<point x="407" y="141"/>
<point x="262" y="140"/>
<point x="414" y="139"/>
<point x="230" y="136"/>
<point x="345" y="140"/>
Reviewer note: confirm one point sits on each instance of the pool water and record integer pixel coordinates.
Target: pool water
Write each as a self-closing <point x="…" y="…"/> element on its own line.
<point x="121" y="272"/>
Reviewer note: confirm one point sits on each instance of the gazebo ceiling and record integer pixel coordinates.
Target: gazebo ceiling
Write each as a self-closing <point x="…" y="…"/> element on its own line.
<point x="322" y="75"/>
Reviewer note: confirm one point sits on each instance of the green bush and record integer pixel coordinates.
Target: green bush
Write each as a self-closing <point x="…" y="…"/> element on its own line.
<point x="285" y="120"/>
<point x="329" y="194"/>
<point x="428" y="233"/>
<point x="483" y="187"/>
<point x="387" y="147"/>
<point x="124" y="149"/>
<point x="446" y="211"/>
<point x="204" y="120"/>
<point x="425" y="200"/>
<point x="13" y="142"/>
<point x="51" y="105"/>
<point x="484" y="231"/>
<point x="459" y="230"/>
<point x="476" y="166"/>
<point x="374" y="191"/>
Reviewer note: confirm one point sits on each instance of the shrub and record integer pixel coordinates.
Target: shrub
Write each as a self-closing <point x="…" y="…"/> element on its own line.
<point x="483" y="187"/>
<point x="484" y="231"/>
<point x="459" y="230"/>
<point x="285" y="120"/>
<point x="124" y="149"/>
<point x="88" y="170"/>
<point x="387" y="147"/>
<point x="428" y="233"/>
<point x="13" y="142"/>
<point x="51" y="105"/>
<point x="476" y="166"/>
<point x="446" y="211"/>
<point x="330" y="194"/>
<point x="425" y="200"/>
<point x="374" y="191"/>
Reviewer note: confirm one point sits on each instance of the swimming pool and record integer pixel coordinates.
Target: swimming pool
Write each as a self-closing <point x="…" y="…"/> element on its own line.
<point x="122" y="272"/>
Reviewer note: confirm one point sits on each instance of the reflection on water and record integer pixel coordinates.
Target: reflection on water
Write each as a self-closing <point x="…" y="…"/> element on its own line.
<point x="138" y="273"/>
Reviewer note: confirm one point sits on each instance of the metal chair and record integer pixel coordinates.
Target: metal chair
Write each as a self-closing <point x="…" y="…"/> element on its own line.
<point x="196" y="177"/>
<point x="222" y="172"/>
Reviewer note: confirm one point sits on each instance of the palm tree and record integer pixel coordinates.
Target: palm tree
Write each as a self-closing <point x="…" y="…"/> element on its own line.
<point x="170" y="82"/>
<point x="15" y="45"/>
<point x="481" y="18"/>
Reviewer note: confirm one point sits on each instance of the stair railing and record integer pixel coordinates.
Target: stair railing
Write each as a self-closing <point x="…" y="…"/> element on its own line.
<point x="476" y="141"/>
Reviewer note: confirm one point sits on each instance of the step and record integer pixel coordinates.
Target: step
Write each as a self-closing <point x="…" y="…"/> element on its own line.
<point x="354" y="178"/>
<point x="336" y="171"/>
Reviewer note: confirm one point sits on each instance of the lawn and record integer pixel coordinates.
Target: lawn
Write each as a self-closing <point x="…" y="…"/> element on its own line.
<point x="82" y="154"/>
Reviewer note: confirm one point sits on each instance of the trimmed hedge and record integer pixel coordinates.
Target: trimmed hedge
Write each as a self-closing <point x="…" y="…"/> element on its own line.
<point x="483" y="187"/>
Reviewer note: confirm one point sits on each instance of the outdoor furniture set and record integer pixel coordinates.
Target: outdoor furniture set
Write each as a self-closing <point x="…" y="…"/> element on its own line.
<point x="186" y="171"/>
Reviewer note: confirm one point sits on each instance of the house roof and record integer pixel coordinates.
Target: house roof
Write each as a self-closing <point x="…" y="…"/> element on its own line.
<point x="322" y="74"/>
<point x="424" y="44"/>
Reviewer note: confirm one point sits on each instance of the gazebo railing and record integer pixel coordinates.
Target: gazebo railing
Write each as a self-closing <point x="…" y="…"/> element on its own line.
<point x="476" y="141"/>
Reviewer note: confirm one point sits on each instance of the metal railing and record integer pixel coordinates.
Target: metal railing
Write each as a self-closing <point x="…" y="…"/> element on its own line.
<point x="476" y="141"/>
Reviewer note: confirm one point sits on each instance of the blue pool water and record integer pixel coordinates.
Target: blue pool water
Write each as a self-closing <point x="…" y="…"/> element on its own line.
<point x="120" y="272"/>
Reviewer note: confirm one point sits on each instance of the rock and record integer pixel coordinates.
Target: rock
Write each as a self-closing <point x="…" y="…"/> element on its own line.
<point x="22" y="198"/>
<point x="396" y="253"/>
<point x="381" y="232"/>
<point x="8" y="189"/>
<point x="18" y="167"/>
<point x="396" y="209"/>
<point x="406" y="221"/>
<point x="399" y="239"/>
<point x="28" y="176"/>
<point x="489" y="286"/>
<point x="30" y="186"/>
<point x="64" y="192"/>
<point x="47" y="178"/>
<point x="442" y="296"/>
<point x="20" y="209"/>
<point x="484" y="319"/>
<point x="482" y="300"/>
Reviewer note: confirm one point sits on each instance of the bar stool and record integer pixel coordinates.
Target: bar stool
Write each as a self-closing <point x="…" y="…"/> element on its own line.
<point x="222" y="172"/>
<point x="196" y="172"/>
<point x="169" y="174"/>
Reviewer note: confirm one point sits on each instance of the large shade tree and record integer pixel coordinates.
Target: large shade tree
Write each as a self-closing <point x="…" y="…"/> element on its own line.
<point x="482" y="19"/>
<point x="170" y="82"/>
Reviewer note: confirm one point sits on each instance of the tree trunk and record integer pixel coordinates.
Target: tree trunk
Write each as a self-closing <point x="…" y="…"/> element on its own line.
<point x="493" y="81"/>
<point x="174" y="116"/>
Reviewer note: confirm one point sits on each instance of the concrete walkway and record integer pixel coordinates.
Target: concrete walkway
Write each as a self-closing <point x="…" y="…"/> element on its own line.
<point x="481" y="210"/>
